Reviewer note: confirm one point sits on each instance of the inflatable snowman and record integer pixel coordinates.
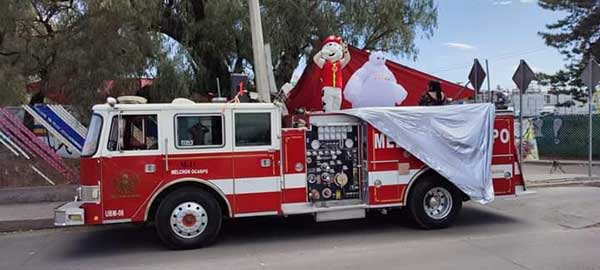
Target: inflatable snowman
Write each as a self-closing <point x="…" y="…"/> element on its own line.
<point x="331" y="59"/>
<point x="374" y="84"/>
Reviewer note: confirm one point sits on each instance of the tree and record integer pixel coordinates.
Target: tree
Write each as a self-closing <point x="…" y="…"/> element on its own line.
<point x="174" y="77"/>
<point x="76" y="46"/>
<point x="577" y="35"/>
<point x="217" y="33"/>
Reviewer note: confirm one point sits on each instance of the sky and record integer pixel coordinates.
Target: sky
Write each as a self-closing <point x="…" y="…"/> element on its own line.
<point x="503" y="31"/>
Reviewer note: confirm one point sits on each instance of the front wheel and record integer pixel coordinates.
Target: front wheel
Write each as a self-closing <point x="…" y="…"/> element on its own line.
<point x="434" y="203"/>
<point x="188" y="218"/>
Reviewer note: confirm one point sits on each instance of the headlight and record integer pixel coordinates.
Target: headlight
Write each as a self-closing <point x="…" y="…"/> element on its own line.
<point x="89" y="193"/>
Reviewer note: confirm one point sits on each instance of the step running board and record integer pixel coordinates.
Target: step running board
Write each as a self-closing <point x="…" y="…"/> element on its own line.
<point x="307" y="208"/>
<point x="340" y="215"/>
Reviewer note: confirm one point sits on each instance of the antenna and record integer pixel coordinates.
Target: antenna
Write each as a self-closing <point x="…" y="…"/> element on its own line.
<point x="218" y="88"/>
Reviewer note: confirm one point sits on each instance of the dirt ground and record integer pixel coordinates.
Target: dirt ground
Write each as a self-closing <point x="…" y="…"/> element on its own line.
<point x="18" y="172"/>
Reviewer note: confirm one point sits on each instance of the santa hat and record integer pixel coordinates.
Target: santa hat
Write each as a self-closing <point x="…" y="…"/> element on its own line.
<point x="332" y="38"/>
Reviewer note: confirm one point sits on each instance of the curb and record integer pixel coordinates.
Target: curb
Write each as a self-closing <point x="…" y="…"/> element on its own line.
<point x="564" y="182"/>
<point x="25" y="225"/>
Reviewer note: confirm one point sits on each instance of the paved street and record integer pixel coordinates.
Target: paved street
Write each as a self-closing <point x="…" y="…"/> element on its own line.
<point x="557" y="228"/>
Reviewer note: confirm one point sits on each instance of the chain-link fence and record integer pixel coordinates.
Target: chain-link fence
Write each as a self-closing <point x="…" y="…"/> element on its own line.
<point x="560" y="144"/>
<point x="566" y="136"/>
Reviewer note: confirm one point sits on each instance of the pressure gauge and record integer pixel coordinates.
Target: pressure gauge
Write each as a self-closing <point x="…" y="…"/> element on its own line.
<point x="349" y="143"/>
<point x="327" y="193"/>
<point x="324" y="166"/>
<point x="312" y="178"/>
<point x="315" y="144"/>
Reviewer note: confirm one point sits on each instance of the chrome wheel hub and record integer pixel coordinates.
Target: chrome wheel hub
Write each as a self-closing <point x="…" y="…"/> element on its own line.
<point x="437" y="203"/>
<point x="189" y="219"/>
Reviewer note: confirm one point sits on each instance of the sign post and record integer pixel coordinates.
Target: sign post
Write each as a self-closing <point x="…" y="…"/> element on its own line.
<point x="590" y="77"/>
<point x="487" y="70"/>
<point x="476" y="76"/>
<point x="522" y="77"/>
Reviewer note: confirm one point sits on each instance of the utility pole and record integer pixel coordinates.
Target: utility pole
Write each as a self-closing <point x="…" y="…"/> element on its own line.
<point x="590" y="77"/>
<point x="258" y="51"/>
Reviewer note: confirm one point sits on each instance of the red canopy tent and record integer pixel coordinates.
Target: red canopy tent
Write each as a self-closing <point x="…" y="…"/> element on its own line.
<point x="307" y="92"/>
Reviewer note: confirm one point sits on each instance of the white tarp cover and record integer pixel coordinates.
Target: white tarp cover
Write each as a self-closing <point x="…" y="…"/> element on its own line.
<point x="454" y="140"/>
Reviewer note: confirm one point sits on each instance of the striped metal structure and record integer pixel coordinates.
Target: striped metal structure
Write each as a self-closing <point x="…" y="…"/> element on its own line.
<point x="60" y="123"/>
<point x="17" y="133"/>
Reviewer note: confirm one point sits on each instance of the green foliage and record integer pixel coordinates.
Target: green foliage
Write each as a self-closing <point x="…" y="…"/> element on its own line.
<point x="217" y="33"/>
<point x="577" y="35"/>
<point x="78" y="45"/>
<point x="174" y="78"/>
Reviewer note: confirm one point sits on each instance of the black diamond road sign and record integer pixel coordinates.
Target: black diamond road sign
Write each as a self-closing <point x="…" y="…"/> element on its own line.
<point x="477" y="75"/>
<point x="523" y="76"/>
<point x="591" y="74"/>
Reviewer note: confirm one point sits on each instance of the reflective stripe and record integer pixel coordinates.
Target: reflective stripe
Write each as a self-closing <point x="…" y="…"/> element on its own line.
<point x="390" y="177"/>
<point x="257" y="185"/>
<point x="294" y="180"/>
<point x="248" y="185"/>
<point x="226" y="185"/>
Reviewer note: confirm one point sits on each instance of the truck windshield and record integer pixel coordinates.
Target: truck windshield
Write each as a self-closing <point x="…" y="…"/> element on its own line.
<point x="91" y="141"/>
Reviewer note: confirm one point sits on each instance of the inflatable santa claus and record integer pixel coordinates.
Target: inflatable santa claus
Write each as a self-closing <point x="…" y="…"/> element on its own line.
<point x="331" y="59"/>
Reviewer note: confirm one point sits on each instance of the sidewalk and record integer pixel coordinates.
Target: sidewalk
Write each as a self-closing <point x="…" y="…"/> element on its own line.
<point x="27" y="216"/>
<point x="559" y="179"/>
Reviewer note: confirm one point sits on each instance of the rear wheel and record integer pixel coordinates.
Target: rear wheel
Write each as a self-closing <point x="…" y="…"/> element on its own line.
<point x="188" y="219"/>
<point x="434" y="203"/>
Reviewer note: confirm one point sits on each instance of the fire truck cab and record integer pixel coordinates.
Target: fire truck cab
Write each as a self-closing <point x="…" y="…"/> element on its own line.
<point x="185" y="166"/>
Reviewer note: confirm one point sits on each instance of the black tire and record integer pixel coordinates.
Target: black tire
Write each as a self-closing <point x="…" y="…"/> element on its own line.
<point x="166" y="231"/>
<point x="416" y="204"/>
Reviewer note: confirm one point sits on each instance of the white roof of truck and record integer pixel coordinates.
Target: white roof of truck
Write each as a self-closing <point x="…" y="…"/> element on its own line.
<point x="186" y="106"/>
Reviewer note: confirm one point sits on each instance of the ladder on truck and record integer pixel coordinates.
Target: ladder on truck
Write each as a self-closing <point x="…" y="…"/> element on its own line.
<point x="60" y="123"/>
<point x="12" y="127"/>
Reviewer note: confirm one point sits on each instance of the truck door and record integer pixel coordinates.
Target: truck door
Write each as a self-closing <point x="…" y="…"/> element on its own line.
<point x="256" y="161"/>
<point x="131" y="164"/>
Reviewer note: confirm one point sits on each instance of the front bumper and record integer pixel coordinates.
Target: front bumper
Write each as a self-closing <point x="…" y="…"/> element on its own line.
<point x="69" y="214"/>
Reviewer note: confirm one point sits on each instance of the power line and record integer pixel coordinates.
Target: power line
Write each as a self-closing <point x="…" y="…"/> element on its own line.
<point x="497" y="58"/>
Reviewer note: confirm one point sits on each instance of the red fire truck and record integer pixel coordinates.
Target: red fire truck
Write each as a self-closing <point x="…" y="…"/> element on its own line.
<point x="186" y="166"/>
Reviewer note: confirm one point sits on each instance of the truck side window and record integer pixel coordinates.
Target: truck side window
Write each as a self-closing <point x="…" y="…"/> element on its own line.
<point x="138" y="132"/>
<point x="199" y="130"/>
<point x="252" y="129"/>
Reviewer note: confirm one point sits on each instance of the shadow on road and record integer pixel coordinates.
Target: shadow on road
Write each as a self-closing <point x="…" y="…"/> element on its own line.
<point x="127" y="239"/>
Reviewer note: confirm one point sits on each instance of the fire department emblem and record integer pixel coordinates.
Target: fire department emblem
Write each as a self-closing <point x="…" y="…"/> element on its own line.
<point x="126" y="184"/>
